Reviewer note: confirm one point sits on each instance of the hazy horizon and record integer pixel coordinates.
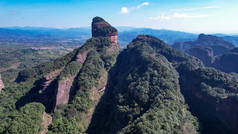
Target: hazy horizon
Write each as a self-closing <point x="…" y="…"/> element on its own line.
<point x="131" y="28"/>
<point x="193" y="16"/>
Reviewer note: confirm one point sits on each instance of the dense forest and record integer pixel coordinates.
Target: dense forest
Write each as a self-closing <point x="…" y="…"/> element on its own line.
<point x="149" y="87"/>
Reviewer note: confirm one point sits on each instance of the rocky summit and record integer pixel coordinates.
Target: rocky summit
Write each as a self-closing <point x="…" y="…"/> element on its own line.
<point x="101" y="28"/>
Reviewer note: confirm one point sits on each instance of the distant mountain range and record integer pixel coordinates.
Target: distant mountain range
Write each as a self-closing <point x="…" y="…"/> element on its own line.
<point x="213" y="51"/>
<point x="126" y="34"/>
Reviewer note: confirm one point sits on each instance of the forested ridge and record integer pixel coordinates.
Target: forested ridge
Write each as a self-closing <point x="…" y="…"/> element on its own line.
<point x="148" y="87"/>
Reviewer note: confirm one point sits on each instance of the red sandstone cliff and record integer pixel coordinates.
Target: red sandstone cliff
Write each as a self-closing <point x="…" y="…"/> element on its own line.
<point x="101" y="28"/>
<point x="1" y="84"/>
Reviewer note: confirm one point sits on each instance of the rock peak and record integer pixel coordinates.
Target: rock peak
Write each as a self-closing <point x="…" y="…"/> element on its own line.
<point x="212" y="40"/>
<point x="144" y="37"/>
<point x="147" y="38"/>
<point x="101" y="28"/>
<point x="98" y="19"/>
<point x="202" y="36"/>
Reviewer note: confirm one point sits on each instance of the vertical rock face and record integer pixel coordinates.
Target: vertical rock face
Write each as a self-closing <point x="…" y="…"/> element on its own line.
<point x="63" y="91"/>
<point x="48" y="87"/>
<point x="227" y="62"/>
<point x="1" y="84"/>
<point x="101" y="28"/>
<point x="205" y="54"/>
<point x="47" y="79"/>
<point x="82" y="57"/>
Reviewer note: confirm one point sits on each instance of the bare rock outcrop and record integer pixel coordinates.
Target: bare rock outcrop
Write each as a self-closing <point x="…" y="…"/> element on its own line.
<point x="47" y="121"/>
<point x="47" y="79"/>
<point x="82" y="57"/>
<point x="63" y="91"/>
<point x="1" y="83"/>
<point x="205" y="54"/>
<point x="101" y="28"/>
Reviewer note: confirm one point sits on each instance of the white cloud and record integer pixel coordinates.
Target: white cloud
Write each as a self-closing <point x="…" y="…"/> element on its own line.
<point x="143" y="4"/>
<point x="194" y="9"/>
<point x="201" y="15"/>
<point x="179" y="15"/>
<point x="160" y="17"/>
<point x="124" y="10"/>
<point x="163" y="17"/>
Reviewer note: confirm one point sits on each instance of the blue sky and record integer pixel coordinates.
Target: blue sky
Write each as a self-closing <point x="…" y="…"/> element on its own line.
<point x="207" y="16"/>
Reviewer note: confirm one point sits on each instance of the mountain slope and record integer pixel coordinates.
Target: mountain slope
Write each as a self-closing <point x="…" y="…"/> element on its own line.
<point x="144" y="80"/>
<point x="143" y="96"/>
<point x="70" y="87"/>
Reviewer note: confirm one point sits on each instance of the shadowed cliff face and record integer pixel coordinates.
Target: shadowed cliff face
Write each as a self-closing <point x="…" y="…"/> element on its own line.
<point x="212" y="97"/>
<point x="227" y="62"/>
<point x="1" y="84"/>
<point x="205" y="54"/>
